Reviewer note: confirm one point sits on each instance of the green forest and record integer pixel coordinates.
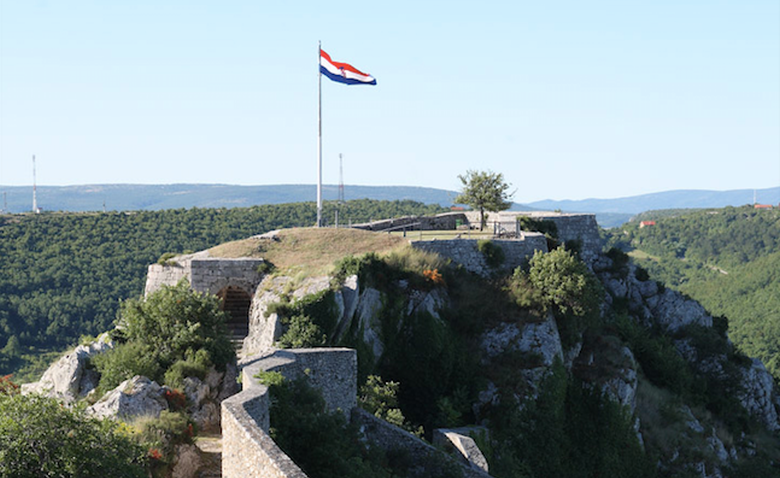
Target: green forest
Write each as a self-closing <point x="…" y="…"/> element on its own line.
<point x="727" y="259"/>
<point x="63" y="275"/>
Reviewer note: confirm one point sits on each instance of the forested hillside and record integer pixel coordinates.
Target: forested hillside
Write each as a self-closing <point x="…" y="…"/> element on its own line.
<point x="63" y="275"/>
<point x="728" y="259"/>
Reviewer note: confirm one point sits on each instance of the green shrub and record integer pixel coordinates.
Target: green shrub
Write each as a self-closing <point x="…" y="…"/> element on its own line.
<point x="381" y="399"/>
<point x="301" y="332"/>
<point x="163" y="433"/>
<point x="269" y="379"/>
<point x="494" y="255"/>
<point x="195" y="365"/>
<point x="125" y="361"/>
<point x="619" y="261"/>
<point x="41" y="438"/>
<point x="310" y="321"/>
<point x="266" y="267"/>
<point x="641" y="274"/>
<point x="165" y="259"/>
<point x="175" y="321"/>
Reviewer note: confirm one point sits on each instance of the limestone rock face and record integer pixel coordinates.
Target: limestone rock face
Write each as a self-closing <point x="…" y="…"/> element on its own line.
<point x="759" y="396"/>
<point x="539" y="338"/>
<point x="264" y="331"/>
<point x="607" y="364"/>
<point x="672" y="310"/>
<point x="367" y="315"/>
<point x="67" y="379"/>
<point x="136" y="397"/>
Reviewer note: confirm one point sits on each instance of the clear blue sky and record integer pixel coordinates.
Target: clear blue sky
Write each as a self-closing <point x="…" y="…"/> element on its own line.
<point x="568" y="99"/>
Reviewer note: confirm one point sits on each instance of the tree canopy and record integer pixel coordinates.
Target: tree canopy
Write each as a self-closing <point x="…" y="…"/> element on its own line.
<point x="484" y="191"/>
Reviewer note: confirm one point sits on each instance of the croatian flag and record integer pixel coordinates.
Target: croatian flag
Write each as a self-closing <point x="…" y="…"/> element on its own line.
<point x="343" y="72"/>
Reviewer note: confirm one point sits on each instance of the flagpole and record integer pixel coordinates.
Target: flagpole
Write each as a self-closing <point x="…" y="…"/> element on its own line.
<point x="319" y="136"/>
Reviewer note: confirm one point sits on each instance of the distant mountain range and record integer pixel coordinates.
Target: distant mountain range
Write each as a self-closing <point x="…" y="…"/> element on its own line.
<point x="129" y="197"/>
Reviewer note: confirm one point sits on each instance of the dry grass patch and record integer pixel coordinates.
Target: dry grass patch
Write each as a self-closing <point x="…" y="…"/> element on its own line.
<point x="310" y="251"/>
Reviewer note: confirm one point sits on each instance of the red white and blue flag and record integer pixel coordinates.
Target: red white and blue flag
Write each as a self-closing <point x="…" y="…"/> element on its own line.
<point x="343" y="72"/>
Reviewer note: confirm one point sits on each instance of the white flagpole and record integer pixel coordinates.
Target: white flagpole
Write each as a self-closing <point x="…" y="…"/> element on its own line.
<point x="319" y="136"/>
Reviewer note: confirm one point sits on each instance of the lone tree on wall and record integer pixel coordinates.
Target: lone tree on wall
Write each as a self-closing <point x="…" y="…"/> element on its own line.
<point x="484" y="191"/>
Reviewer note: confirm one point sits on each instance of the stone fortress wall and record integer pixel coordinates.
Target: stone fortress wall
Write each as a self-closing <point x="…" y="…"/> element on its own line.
<point x="205" y="273"/>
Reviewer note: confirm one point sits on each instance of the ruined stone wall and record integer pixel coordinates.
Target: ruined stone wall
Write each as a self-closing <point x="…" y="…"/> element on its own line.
<point x="579" y="227"/>
<point x="205" y="274"/>
<point x="465" y="251"/>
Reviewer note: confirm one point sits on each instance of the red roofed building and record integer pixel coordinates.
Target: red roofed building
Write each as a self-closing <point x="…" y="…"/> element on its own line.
<point x="646" y="223"/>
<point x="762" y="206"/>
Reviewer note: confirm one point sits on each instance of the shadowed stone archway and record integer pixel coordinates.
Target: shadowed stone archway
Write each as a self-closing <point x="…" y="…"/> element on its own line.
<point x="236" y="302"/>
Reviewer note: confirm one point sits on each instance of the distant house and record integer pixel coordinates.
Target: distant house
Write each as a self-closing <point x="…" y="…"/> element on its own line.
<point x="457" y="208"/>
<point x="646" y="223"/>
<point x="763" y="206"/>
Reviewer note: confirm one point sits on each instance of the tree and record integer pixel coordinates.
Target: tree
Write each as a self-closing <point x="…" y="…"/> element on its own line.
<point x="41" y="438"/>
<point x="484" y="191"/>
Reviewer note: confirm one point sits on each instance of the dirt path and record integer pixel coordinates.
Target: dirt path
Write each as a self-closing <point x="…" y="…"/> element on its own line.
<point x="210" y="447"/>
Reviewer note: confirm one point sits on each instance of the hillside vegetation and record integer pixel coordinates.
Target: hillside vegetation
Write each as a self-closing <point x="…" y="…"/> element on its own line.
<point x="63" y="275"/>
<point x="728" y="259"/>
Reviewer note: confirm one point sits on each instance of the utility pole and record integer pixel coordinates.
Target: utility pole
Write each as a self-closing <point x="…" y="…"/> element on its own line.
<point x="341" y="180"/>
<point x="35" y="187"/>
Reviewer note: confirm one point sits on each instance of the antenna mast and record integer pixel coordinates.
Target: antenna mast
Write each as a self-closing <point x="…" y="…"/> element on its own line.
<point x="341" y="181"/>
<point x="35" y="190"/>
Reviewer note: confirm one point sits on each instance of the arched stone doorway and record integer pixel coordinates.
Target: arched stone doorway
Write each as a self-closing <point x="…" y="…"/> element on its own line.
<point x="236" y="302"/>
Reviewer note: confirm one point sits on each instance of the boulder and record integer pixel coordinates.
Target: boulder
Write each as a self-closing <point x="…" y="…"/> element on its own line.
<point x="136" y="397"/>
<point x="460" y="443"/>
<point x="187" y="462"/>
<point x="67" y="379"/>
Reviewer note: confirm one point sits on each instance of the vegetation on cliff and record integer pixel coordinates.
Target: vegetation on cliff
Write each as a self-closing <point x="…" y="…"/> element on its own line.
<point x="728" y="259"/>
<point x="544" y="419"/>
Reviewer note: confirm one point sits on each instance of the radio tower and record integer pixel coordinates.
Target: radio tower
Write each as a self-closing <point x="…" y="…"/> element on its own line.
<point x="35" y="197"/>
<point x="341" y="181"/>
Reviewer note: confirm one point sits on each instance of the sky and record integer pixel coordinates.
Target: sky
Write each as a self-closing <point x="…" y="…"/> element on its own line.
<point x="567" y="99"/>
